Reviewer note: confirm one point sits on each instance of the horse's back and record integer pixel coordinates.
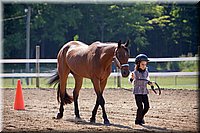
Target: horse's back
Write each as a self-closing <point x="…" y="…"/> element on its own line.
<point x="73" y="44"/>
<point x="85" y="60"/>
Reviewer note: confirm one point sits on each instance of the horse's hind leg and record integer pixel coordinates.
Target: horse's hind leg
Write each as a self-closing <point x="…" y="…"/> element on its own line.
<point x="60" y="114"/>
<point x="63" y="74"/>
<point x="78" y="84"/>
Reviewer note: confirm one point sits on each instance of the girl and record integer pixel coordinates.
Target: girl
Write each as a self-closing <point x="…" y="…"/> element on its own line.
<point x="140" y="87"/>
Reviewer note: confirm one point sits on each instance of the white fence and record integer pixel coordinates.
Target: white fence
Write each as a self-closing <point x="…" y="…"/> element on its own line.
<point x="113" y="74"/>
<point x="116" y="75"/>
<point x="130" y="60"/>
<point x="24" y="61"/>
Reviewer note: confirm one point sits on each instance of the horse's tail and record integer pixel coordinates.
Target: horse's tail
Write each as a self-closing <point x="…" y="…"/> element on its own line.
<point x="54" y="80"/>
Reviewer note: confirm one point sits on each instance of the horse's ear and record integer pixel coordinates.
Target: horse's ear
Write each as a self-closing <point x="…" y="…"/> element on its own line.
<point x="126" y="45"/>
<point x="119" y="43"/>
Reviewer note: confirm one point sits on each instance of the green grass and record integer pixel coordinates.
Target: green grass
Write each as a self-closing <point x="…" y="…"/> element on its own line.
<point x="164" y="82"/>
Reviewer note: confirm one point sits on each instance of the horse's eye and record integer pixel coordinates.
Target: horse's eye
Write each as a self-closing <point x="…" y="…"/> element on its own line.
<point x="119" y="55"/>
<point x="125" y="54"/>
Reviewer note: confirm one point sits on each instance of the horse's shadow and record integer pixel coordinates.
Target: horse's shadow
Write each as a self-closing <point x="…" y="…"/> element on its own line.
<point x="84" y="122"/>
<point x="147" y="128"/>
<point x="154" y="128"/>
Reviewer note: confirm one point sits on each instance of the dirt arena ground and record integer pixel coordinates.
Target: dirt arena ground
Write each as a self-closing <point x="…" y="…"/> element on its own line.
<point x="172" y="111"/>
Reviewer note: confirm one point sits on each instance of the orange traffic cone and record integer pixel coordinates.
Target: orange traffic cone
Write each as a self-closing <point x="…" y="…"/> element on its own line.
<point x="19" y="100"/>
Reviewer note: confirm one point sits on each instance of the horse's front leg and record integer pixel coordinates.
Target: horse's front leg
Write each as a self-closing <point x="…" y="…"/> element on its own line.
<point x="94" y="112"/>
<point x="99" y="87"/>
<point x="102" y="101"/>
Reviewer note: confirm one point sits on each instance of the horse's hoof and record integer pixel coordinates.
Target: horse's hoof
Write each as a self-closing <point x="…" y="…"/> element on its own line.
<point x="78" y="119"/>
<point x="59" y="116"/>
<point x="92" y="120"/>
<point x="107" y="122"/>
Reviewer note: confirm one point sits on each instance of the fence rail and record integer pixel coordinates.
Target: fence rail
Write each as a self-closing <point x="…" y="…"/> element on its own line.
<point x="117" y="74"/>
<point x="16" y="61"/>
<point x="114" y="74"/>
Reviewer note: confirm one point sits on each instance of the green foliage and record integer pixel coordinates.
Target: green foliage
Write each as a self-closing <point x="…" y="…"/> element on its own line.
<point x="173" y="66"/>
<point x="188" y="66"/>
<point x="14" y="44"/>
<point x="76" y="38"/>
<point x="159" y="30"/>
<point x="161" y="21"/>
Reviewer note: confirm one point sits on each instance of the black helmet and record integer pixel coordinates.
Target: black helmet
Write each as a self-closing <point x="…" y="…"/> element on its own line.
<point x="141" y="57"/>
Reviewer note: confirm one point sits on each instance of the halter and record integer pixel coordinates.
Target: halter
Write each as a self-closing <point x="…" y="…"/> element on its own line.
<point x="117" y="61"/>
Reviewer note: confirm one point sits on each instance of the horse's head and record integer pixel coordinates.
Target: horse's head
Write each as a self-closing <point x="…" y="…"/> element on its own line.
<point x="122" y="55"/>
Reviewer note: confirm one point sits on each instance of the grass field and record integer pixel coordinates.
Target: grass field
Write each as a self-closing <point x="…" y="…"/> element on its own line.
<point x="164" y="82"/>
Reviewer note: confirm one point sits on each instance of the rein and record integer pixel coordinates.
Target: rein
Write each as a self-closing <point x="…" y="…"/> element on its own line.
<point x="118" y="64"/>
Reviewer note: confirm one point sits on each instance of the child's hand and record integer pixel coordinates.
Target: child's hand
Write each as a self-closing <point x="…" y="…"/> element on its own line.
<point x="150" y="83"/>
<point x="131" y="78"/>
<point x="132" y="75"/>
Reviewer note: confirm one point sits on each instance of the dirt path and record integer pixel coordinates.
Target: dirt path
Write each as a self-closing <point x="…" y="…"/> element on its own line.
<point x="174" y="110"/>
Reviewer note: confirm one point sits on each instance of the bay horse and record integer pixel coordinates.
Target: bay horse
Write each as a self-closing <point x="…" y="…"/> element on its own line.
<point x="88" y="61"/>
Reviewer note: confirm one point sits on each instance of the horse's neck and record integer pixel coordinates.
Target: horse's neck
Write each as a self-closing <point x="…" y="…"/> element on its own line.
<point x="108" y="54"/>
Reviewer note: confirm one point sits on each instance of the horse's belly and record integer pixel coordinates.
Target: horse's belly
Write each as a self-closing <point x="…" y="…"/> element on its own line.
<point x="81" y="71"/>
<point x="79" y="65"/>
<point x="106" y="73"/>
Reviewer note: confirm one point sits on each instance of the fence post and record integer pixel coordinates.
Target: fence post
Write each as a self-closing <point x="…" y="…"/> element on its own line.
<point x="114" y="78"/>
<point x="13" y="79"/>
<point x="199" y="69"/>
<point x="21" y="71"/>
<point x="118" y="78"/>
<point x="32" y="77"/>
<point x="37" y="67"/>
<point x="175" y="79"/>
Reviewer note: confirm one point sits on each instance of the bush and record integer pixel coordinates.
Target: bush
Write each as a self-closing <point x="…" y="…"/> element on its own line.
<point x="188" y="66"/>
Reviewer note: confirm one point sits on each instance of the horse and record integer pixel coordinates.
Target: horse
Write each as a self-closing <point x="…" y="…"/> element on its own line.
<point x="88" y="61"/>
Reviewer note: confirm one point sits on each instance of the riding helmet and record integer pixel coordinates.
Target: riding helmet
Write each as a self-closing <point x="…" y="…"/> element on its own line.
<point x="141" y="57"/>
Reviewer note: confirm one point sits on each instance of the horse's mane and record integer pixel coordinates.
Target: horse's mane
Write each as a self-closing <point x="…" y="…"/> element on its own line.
<point x="98" y="43"/>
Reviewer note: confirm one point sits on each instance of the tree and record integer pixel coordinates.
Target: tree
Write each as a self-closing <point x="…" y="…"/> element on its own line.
<point x="159" y="30"/>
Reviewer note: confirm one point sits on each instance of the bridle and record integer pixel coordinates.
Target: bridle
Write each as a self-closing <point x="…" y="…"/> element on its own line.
<point x="116" y="60"/>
